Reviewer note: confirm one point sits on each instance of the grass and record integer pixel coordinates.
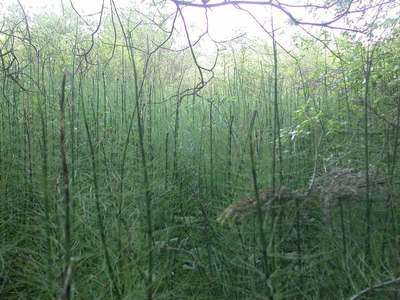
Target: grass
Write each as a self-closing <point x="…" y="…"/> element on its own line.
<point x="150" y="173"/>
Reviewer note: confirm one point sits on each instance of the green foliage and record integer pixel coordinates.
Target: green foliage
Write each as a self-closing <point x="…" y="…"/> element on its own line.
<point x="197" y="150"/>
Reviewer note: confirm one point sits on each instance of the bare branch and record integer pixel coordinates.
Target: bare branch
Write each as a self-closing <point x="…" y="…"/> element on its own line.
<point x="375" y="287"/>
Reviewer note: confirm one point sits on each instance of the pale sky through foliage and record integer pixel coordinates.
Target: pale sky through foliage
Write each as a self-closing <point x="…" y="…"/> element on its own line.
<point x="225" y="22"/>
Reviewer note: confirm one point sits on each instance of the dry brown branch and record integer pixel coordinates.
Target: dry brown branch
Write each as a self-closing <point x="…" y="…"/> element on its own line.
<point x="327" y="189"/>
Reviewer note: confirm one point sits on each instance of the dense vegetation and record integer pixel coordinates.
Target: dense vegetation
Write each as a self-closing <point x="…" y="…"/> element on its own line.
<point x="118" y="155"/>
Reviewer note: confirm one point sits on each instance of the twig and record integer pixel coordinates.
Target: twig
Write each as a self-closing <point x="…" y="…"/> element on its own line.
<point x="377" y="286"/>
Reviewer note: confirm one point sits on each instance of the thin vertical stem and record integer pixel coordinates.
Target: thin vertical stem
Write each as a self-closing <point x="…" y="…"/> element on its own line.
<point x="367" y="73"/>
<point x="211" y="152"/>
<point x="97" y="199"/>
<point x="260" y="218"/>
<point x="66" y="294"/>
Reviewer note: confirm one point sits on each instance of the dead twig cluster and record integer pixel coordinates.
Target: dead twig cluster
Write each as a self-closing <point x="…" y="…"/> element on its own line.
<point x="328" y="188"/>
